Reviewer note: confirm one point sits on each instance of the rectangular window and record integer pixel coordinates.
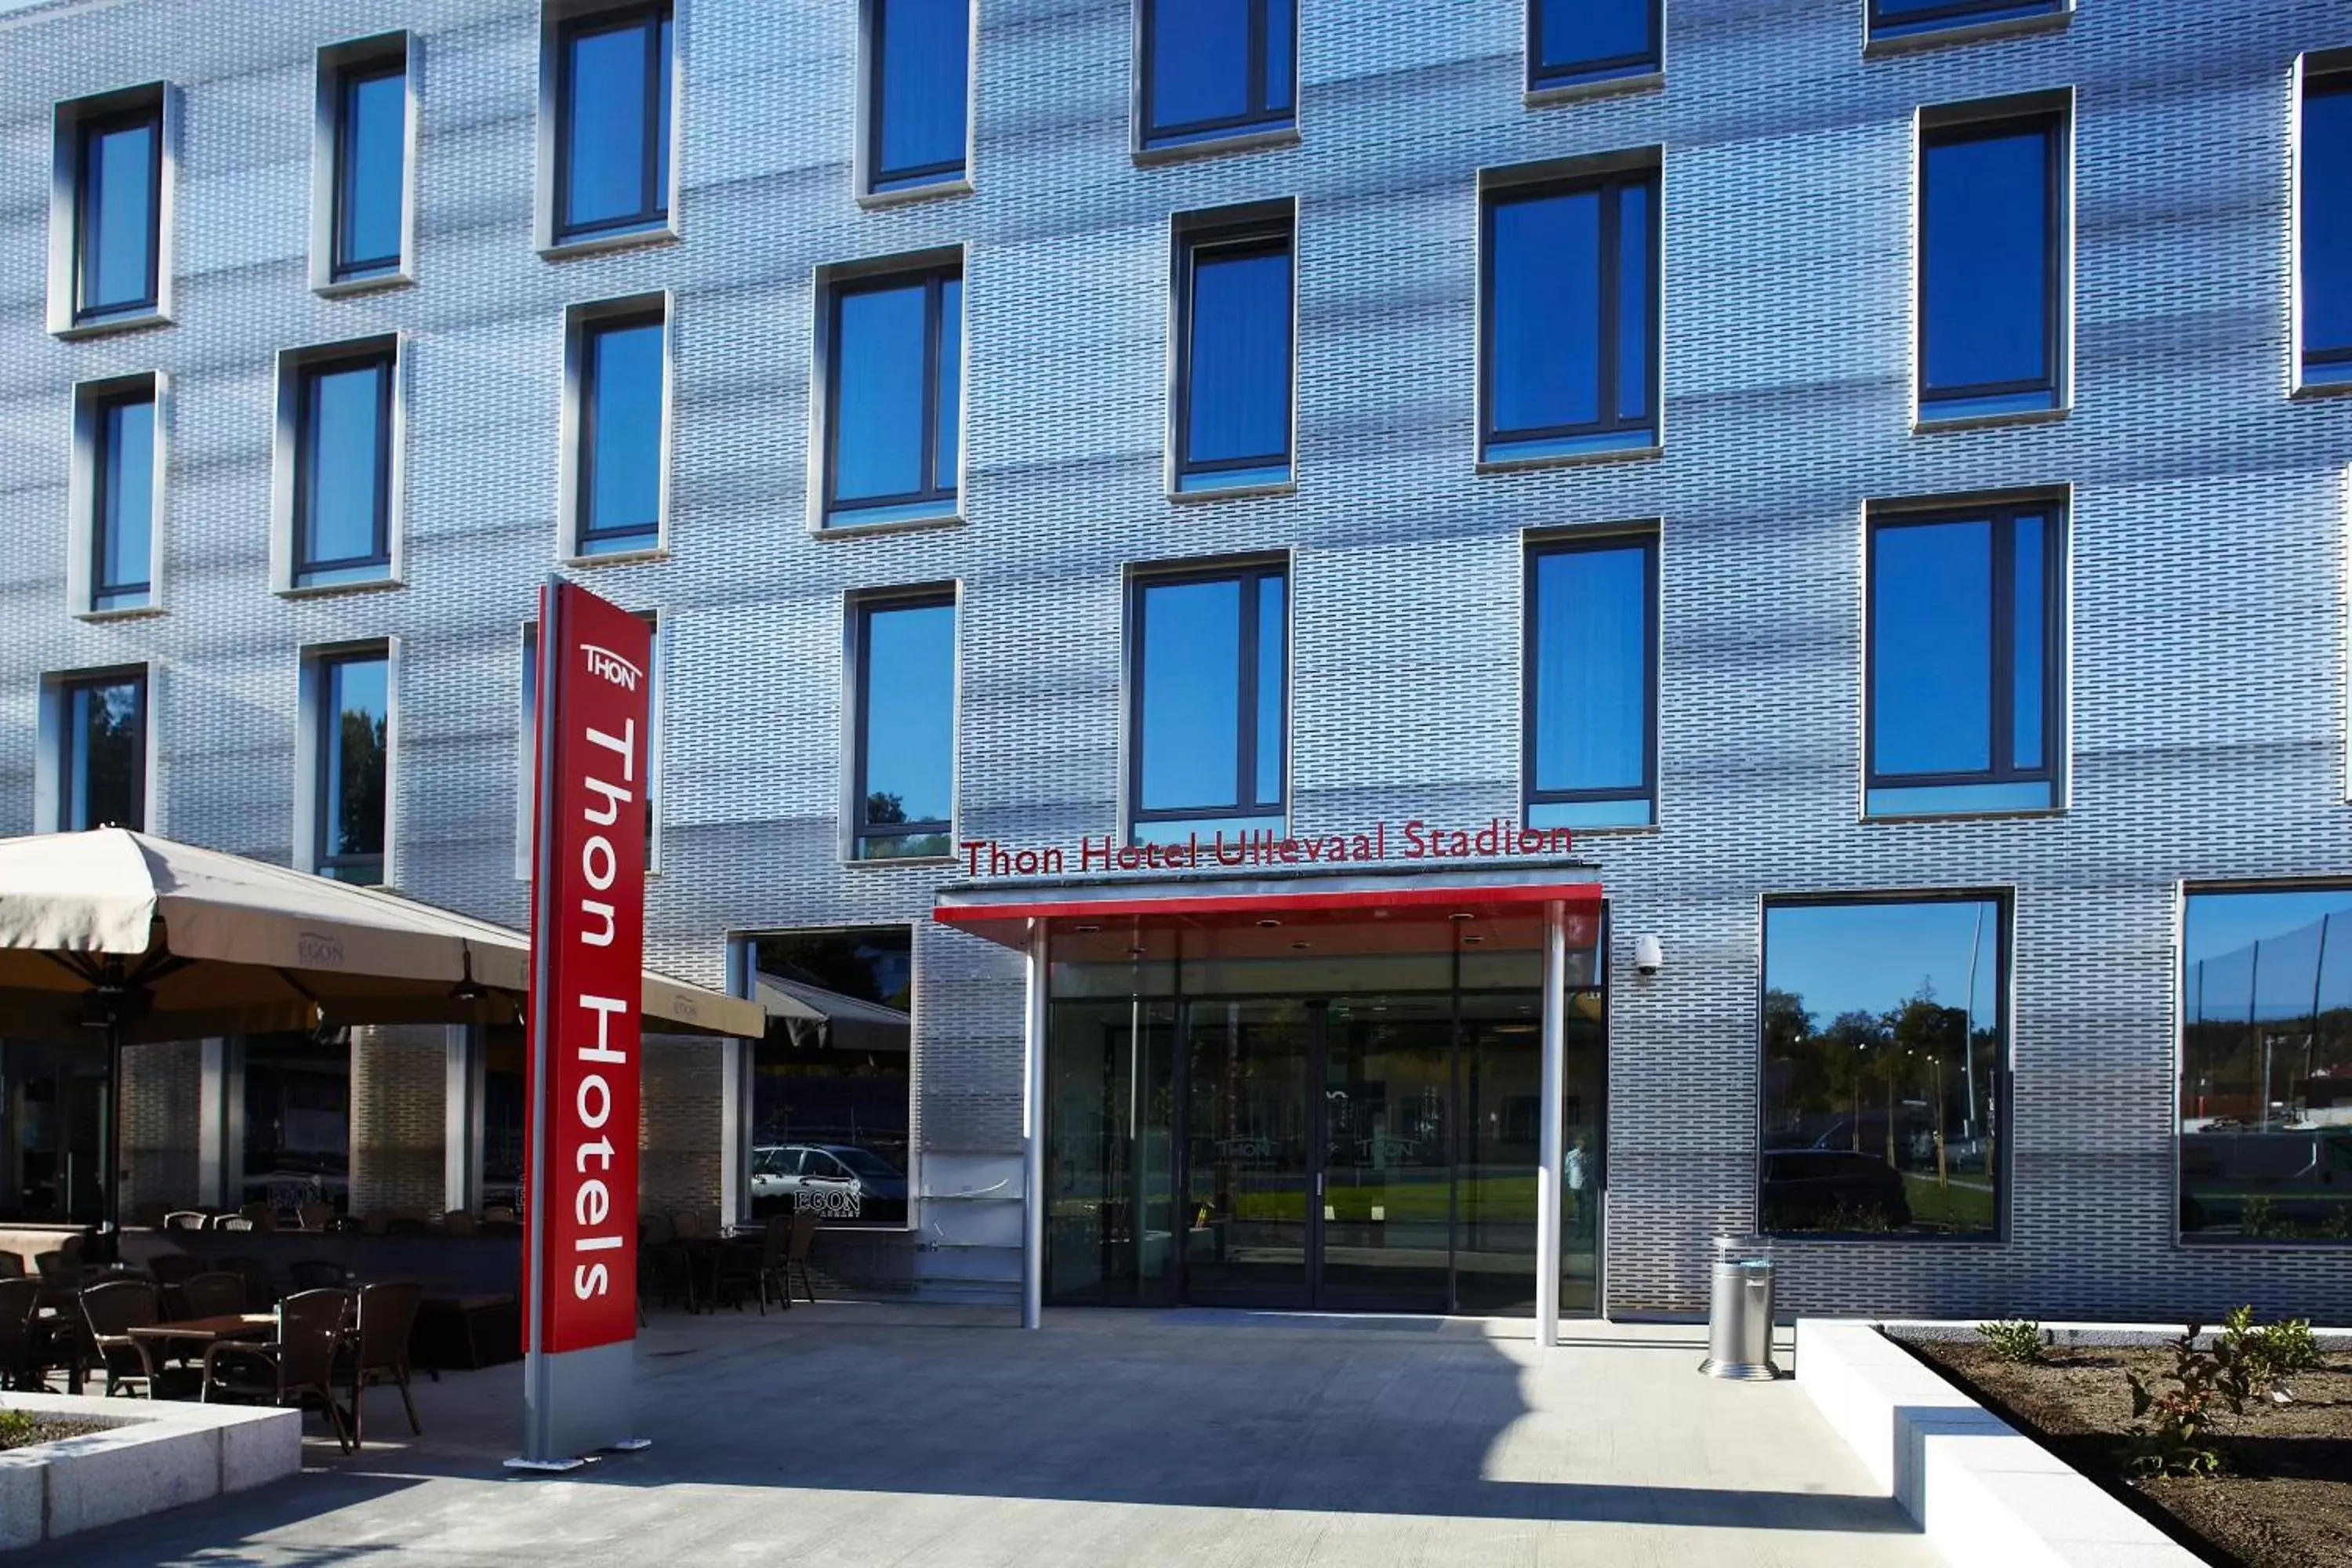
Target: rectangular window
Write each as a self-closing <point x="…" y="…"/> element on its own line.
<point x="2266" y="1032"/>
<point x="1234" y="336"/>
<point x="296" y="1147"/>
<point x="617" y="495"/>
<point x="893" y="396"/>
<point x="830" y="1081"/>
<point x="527" y="729"/>
<point x="905" y="739"/>
<point x="1592" y="41"/>
<point x="1213" y="69"/>
<point x="919" y="66"/>
<point x="102" y="752"/>
<point x="1569" y="356"/>
<point x="1886" y="1044"/>
<point x="1903" y="18"/>
<point x="118" y="213"/>
<point x="370" y="172"/>
<point x="342" y="470"/>
<point x="613" y="122"/>
<point x="1991" y="269"/>
<point x="123" y="494"/>
<point x="1964" y="660"/>
<point x="2324" y="173"/>
<point x="1209" y="723"/>
<point x="1590" y="738"/>
<point x="353" y="744"/>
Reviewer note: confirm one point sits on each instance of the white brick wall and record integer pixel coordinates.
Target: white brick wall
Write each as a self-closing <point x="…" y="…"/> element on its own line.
<point x="2207" y="616"/>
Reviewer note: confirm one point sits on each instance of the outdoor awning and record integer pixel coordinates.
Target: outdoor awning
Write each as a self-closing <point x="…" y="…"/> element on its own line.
<point x="816" y="1017"/>
<point x="248" y="946"/>
<point x="1380" y="911"/>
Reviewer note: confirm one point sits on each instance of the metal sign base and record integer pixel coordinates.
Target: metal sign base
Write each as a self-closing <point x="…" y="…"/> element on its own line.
<point x="577" y="1402"/>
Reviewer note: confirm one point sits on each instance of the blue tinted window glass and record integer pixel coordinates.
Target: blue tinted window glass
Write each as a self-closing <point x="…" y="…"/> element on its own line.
<point x="1190" y="729"/>
<point x="880" y="369"/>
<point x="2029" y="635"/>
<point x="342" y="479"/>
<point x="105" y="744"/>
<point x="356" y="706"/>
<point x="616" y="124"/>
<point x="2327" y="217"/>
<point x="126" y="485"/>
<point x="1954" y="13"/>
<point x="624" y="427"/>
<point x="910" y="713"/>
<point x="951" y="379"/>
<point x="1200" y="61"/>
<point x="1281" y="51"/>
<point x="923" y="52"/>
<point x="375" y="132"/>
<point x="1574" y="35"/>
<point x="1987" y="249"/>
<point x="1272" y="679"/>
<point x="1239" y="386"/>
<point x="119" y="218"/>
<point x="1636" y="279"/>
<point x="1931" y="620"/>
<point x="1544" y="351"/>
<point x="1592" y="669"/>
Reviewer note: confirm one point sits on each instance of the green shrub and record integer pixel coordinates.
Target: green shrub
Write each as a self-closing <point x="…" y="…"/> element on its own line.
<point x="2170" y="1432"/>
<point x="15" y="1427"/>
<point x="2013" y="1340"/>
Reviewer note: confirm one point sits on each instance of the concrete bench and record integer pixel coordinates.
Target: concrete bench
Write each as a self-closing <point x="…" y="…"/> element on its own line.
<point x="1986" y="1495"/>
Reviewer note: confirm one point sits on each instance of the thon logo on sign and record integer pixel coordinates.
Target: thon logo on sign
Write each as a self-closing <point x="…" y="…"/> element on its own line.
<point x="587" y="931"/>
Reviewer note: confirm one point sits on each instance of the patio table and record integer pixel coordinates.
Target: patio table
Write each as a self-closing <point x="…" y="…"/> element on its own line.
<point x="204" y="1331"/>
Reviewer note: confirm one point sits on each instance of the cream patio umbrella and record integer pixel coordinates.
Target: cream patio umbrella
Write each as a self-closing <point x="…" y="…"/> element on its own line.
<point x="124" y="937"/>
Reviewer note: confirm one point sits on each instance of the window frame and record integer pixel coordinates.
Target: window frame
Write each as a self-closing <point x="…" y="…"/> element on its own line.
<point x="1956" y="15"/>
<point x="1258" y="121"/>
<point x="385" y="362"/>
<point x="2001" y="516"/>
<point x="1940" y="127"/>
<point x="326" y="717"/>
<point x="1500" y="446"/>
<point x="861" y="829"/>
<point x="1229" y="239"/>
<point x="939" y="502"/>
<point x="103" y="457"/>
<point x="1616" y="68"/>
<point x="1249" y="574"/>
<point x="1536" y="550"/>
<point x="2001" y="1099"/>
<point x="589" y="325"/>
<point x="71" y="740"/>
<point x="2318" y="75"/>
<point x="87" y="130"/>
<point x="876" y="179"/>
<point x="656" y="217"/>
<point x="348" y="77"/>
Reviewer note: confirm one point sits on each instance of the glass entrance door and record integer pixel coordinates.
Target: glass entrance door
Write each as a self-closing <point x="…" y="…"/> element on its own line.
<point x="1388" y="1168"/>
<point x="1252" y="1143"/>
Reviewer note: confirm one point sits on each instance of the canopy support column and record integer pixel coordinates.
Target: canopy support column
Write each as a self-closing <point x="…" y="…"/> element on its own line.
<point x="1032" y="1126"/>
<point x="1548" y="1173"/>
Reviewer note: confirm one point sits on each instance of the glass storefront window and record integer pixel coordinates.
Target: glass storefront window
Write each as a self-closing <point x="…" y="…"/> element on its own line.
<point x="52" y="1127"/>
<point x="2266" y="1065"/>
<point x="298" y="1123"/>
<point x="830" y="1081"/>
<point x="504" y="1111"/>
<point x="1884" y="1040"/>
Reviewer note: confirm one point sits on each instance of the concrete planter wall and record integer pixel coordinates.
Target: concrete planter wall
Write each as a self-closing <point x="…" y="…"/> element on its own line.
<point x="152" y="1456"/>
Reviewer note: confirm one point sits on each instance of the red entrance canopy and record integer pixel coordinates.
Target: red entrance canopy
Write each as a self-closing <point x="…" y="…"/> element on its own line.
<point x="1404" y="906"/>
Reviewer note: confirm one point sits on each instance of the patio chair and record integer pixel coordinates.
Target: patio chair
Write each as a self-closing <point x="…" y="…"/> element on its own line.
<point x="387" y="1318"/>
<point x="313" y="1215"/>
<point x="255" y="1275"/>
<point x="20" y="1303"/>
<point x="11" y="1265"/>
<point x="457" y="1222"/>
<point x="171" y="1269"/>
<point x="500" y="1213"/>
<point x="216" y="1293"/>
<point x="318" y="1274"/>
<point x="236" y="1222"/>
<point x="662" y="1264"/>
<point x="299" y="1368"/>
<point x="108" y="1313"/>
<point x="263" y="1217"/>
<point x="796" y="1256"/>
<point x="187" y="1219"/>
<point x="759" y="1264"/>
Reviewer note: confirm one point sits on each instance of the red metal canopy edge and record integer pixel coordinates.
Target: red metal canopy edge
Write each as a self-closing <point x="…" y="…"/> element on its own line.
<point x="1006" y="921"/>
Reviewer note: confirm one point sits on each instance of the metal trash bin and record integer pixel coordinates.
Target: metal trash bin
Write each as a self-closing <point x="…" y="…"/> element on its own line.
<point x="1739" y="1312"/>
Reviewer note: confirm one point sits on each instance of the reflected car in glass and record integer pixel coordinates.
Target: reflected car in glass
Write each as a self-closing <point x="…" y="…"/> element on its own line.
<point x="793" y="1169"/>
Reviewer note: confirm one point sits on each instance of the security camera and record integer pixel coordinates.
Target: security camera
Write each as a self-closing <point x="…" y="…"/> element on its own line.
<point x="1648" y="956"/>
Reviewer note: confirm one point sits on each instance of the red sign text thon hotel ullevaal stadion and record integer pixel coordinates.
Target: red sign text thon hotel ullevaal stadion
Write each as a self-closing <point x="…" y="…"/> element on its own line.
<point x="588" y="910"/>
